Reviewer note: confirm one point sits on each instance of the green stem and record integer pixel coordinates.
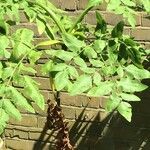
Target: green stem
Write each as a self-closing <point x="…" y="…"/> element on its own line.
<point x="80" y="18"/>
<point x="51" y="14"/>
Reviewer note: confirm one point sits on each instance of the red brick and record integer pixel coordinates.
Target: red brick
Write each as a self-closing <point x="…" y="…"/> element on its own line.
<point x="27" y="120"/>
<point x="145" y="20"/>
<point x="68" y="5"/>
<point x="141" y="34"/>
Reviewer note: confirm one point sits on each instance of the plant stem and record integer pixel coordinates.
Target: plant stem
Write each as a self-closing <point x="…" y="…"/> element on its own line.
<point x="80" y="18"/>
<point x="51" y="14"/>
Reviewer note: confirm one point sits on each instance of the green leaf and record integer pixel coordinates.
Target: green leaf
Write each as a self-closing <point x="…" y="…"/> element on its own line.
<point x="135" y="56"/>
<point x="138" y="73"/>
<point x="146" y="4"/>
<point x="7" y="72"/>
<point x="72" y="71"/>
<point x="109" y="70"/>
<point x="99" y="45"/>
<point x="48" y="43"/>
<point x="101" y="24"/>
<point x="64" y="55"/>
<point x="82" y="84"/>
<point x="80" y="62"/>
<point x="131" y="20"/>
<point x="88" y="70"/>
<point x="47" y="67"/>
<point x="129" y="85"/>
<point x="97" y="78"/>
<point x="21" y="42"/>
<point x="61" y="80"/>
<point x="41" y="25"/>
<point x="19" y="100"/>
<point x="92" y="3"/>
<point x="104" y="88"/>
<point x="10" y="109"/>
<point x="128" y="3"/>
<point x="96" y="63"/>
<point x="30" y="13"/>
<point x="4" y="117"/>
<point x="59" y="67"/>
<point x="130" y="97"/>
<point x="120" y="71"/>
<point x="27" y="69"/>
<point x="1" y="70"/>
<point x="3" y="27"/>
<point x="4" y="42"/>
<point x="112" y="103"/>
<point x="118" y="30"/>
<point x="34" y="56"/>
<point x="89" y="52"/>
<point x="72" y="42"/>
<point x="32" y="91"/>
<point x="113" y="4"/>
<point x="125" y="109"/>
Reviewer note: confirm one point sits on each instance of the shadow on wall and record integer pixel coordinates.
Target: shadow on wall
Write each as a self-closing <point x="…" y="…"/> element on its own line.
<point x="113" y="133"/>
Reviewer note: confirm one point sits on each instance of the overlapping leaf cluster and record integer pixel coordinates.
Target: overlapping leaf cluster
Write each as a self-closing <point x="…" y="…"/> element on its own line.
<point x="97" y="61"/>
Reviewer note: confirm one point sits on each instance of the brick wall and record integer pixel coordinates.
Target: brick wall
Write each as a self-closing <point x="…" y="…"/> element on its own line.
<point x="90" y="127"/>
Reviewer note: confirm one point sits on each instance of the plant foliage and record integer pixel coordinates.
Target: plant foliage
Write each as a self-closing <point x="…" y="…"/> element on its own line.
<point x="97" y="61"/>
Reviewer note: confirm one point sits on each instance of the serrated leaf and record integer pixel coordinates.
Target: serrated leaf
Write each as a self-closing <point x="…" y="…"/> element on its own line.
<point x="72" y="42"/>
<point x="64" y="55"/>
<point x="89" y="52"/>
<point x="31" y="90"/>
<point x="61" y="80"/>
<point x="34" y="56"/>
<point x="58" y="67"/>
<point x="21" y="42"/>
<point x="138" y="73"/>
<point x="108" y="70"/>
<point x="4" y="42"/>
<point x="99" y="45"/>
<point x="125" y="109"/>
<point x="10" y="109"/>
<point x="130" y="97"/>
<point x="82" y="84"/>
<point x="80" y="62"/>
<point x="47" y="67"/>
<point x="27" y="69"/>
<point x="97" y="78"/>
<point x="120" y="71"/>
<point x="101" y="24"/>
<point x="19" y="100"/>
<point x="96" y="63"/>
<point x="72" y="71"/>
<point x="104" y="88"/>
<point x="129" y="85"/>
<point x="112" y="103"/>
<point x="7" y="72"/>
<point x="118" y="30"/>
<point x="88" y="70"/>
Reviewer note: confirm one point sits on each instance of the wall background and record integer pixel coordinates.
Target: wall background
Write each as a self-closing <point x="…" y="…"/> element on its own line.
<point x="90" y="127"/>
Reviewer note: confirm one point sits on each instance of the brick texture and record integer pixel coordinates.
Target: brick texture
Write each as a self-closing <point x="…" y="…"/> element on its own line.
<point x="91" y="128"/>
